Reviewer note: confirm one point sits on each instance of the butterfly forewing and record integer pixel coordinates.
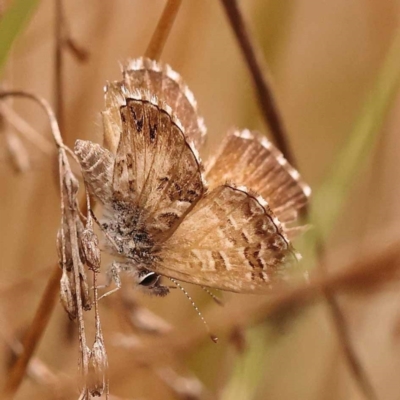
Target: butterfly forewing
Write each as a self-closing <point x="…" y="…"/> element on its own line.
<point x="144" y="75"/>
<point x="168" y="86"/>
<point x="230" y="241"/>
<point x="156" y="172"/>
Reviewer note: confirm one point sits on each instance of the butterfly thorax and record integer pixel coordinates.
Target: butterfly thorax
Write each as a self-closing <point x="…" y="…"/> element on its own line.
<point x="126" y="236"/>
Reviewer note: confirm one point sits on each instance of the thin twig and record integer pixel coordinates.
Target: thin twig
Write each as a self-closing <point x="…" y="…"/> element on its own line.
<point x="34" y="334"/>
<point x="259" y="71"/>
<point x="352" y="358"/>
<point x="29" y="133"/>
<point x="18" y="154"/>
<point x="356" y="367"/>
<point x="59" y="65"/>
<point x="163" y="29"/>
<point x="37" y="370"/>
<point x="55" y="130"/>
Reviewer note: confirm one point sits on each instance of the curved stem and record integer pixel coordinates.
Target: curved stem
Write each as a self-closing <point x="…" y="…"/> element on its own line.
<point x="35" y="332"/>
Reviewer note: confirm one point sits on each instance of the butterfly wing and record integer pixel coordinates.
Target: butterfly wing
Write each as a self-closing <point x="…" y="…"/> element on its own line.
<point x="250" y="159"/>
<point x="157" y="172"/>
<point x="97" y="166"/>
<point x="164" y="83"/>
<point x="230" y="240"/>
<point x="168" y="86"/>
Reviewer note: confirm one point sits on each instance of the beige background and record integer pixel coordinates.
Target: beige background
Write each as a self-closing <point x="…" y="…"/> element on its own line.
<point x="324" y="57"/>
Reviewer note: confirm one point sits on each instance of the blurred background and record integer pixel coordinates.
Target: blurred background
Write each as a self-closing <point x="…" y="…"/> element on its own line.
<point x="333" y="67"/>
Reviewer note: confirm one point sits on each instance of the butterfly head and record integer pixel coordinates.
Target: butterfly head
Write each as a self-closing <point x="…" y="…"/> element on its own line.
<point x="150" y="283"/>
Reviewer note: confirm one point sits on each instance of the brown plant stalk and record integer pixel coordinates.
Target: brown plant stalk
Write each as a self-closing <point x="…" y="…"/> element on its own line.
<point x="34" y="333"/>
<point x="163" y="29"/>
<point x="259" y="73"/>
<point x="59" y="32"/>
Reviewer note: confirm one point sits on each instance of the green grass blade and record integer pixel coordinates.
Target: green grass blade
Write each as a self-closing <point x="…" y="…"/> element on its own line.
<point x="12" y="24"/>
<point x="330" y="197"/>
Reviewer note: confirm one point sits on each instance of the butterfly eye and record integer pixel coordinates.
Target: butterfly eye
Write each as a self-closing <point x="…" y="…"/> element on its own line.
<point x="149" y="279"/>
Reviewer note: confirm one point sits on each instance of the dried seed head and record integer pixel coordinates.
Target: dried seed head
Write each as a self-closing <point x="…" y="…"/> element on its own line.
<point x="71" y="185"/>
<point x="62" y="248"/>
<point x="63" y="239"/>
<point x="98" y="365"/>
<point x="67" y="295"/>
<point x="89" y="243"/>
<point x="86" y="300"/>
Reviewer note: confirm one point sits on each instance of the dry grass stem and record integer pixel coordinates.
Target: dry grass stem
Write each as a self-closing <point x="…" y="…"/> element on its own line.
<point x="342" y="330"/>
<point x="79" y="52"/>
<point x="26" y="130"/>
<point x="59" y="63"/>
<point x="68" y="187"/>
<point x="259" y="72"/>
<point x="34" y="334"/>
<point x="18" y="154"/>
<point x="161" y="33"/>
<point x="98" y="361"/>
<point x="353" y="361"/>
<point x="37" y="370"/>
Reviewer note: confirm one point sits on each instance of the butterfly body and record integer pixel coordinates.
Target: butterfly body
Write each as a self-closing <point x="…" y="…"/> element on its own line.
<point x="162" y="216"/>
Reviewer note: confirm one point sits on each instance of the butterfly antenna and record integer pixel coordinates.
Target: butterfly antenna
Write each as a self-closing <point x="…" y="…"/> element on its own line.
<point x="214" y="297"/>
<point x="178" y="285"/>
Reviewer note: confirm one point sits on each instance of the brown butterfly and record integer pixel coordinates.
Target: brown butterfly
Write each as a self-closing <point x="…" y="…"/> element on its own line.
<point x="164" y="214"/>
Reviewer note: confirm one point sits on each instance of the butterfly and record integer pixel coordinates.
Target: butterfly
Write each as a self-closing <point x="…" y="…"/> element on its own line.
<point x="225" y="225"/>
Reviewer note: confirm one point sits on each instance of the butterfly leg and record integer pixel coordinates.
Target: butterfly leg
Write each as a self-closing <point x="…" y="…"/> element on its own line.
<point x="112" y="276"/>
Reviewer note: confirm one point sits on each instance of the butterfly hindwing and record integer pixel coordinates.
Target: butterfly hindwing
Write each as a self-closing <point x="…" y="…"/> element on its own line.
<point x="230" y="240"/>
<point x="250" y="159"/>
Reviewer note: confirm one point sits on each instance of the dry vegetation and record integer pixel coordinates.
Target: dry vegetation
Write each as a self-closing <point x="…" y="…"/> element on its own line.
<point x="334" y="72"/>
